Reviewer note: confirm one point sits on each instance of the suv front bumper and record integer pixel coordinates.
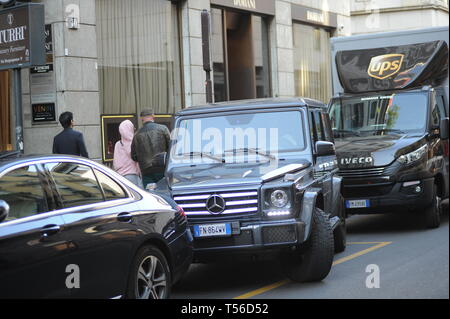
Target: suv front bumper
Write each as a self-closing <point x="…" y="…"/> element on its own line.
<point x="250" y="236"/>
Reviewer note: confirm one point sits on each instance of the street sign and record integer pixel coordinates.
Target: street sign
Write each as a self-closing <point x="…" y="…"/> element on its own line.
<point x="22" y="36"/>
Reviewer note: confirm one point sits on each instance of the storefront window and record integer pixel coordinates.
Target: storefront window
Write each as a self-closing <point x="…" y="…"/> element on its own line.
<point x="312" y="63"/>
<point x="138" y="56"/>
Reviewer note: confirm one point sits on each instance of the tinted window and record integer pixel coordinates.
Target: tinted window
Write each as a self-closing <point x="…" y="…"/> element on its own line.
<point x="111" y="189"/>
<point x="75" y="183"/>
<point x="23" y="192"/>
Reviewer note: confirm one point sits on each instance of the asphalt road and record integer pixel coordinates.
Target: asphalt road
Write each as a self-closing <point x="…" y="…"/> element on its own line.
<point x="413" y="262"/>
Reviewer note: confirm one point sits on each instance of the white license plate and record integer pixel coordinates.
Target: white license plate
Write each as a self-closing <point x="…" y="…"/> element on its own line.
<point x="209" y="230"/>
<point x="358" y="203"/>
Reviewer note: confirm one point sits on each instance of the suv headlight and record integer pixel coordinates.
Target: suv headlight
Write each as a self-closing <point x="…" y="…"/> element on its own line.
<point x="277" y="202"/>
<point x="279" y="198"/>
<point x="413" y="156"/>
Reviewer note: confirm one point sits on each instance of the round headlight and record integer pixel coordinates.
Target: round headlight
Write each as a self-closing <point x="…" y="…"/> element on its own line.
<point x="279" y="198"/>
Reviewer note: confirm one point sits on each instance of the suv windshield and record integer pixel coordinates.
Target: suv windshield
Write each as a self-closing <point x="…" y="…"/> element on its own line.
<point x="401" y="113"/>
<point x="214" y="139"/>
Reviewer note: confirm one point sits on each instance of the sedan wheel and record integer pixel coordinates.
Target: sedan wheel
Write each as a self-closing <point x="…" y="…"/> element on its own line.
<point x="150" y="275"/>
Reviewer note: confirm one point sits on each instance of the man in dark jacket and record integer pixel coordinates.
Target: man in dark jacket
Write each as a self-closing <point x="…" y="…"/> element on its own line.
<point x="69" y="141"/>
<point x="149" y="141"/>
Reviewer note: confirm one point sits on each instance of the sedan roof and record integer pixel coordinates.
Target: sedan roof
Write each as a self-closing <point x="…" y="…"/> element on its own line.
<point x="14" y="158"/>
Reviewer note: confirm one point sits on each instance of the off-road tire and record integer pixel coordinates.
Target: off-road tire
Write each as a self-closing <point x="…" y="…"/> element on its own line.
<point x="340" y="232"/>
<point x="147" y="253"/>
<point x="433" y="212"/>
<point x="312" y="261"/>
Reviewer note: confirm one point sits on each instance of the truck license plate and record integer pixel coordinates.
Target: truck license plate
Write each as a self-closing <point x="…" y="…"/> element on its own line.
<point x="359" y="203"/>
<point x="209" y="230"/>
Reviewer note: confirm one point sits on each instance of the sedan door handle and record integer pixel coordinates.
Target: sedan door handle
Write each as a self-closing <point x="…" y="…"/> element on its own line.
<point x="124" y="217"/>
<point x="49" y="230"/>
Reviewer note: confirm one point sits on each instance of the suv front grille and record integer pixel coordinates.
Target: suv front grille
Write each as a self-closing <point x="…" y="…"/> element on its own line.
<point x="237" y="203"/>
<point x="362" y="173"/>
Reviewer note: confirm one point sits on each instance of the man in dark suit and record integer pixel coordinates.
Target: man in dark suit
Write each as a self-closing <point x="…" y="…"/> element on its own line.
<point x="69" y="141"/>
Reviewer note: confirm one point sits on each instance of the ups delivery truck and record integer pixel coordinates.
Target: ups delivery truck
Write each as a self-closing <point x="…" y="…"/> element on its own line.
<point x="390" y="121"/>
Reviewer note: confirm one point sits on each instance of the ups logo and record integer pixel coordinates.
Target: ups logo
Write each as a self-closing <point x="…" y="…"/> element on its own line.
<point x="384" y="66"/>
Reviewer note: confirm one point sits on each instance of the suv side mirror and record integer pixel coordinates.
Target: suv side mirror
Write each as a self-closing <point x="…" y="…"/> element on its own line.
<point x="159" y="160"/>
<point x="324" y="148"/>
<point x="443" y="128"/>
<point x="4" y="210"/>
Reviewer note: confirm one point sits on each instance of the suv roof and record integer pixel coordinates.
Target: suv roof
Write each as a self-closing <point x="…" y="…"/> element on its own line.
<point x="251" y="104"/>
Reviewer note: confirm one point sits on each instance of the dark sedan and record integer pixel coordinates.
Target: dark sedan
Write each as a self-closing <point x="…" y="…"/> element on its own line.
<point x="70" y="227"/>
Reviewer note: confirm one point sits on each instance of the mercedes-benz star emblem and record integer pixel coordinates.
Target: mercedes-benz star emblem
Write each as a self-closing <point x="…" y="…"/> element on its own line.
<point x="215" y="204"/>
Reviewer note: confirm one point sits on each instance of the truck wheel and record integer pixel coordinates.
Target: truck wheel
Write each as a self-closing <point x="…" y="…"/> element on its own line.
<point x="312" y="261"/>
<point x="433" y="212"/>
<point x="150" y="275"/>
<point x="340" y="233"/>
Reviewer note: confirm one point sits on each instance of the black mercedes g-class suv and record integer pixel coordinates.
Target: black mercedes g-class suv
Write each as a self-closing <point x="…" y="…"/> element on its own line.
<point x="258" y="176"/>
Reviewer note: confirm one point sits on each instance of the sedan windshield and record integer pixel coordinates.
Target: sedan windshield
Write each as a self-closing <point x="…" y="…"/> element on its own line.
<point x="402" y="113"/>
<point x="214" y="139"/>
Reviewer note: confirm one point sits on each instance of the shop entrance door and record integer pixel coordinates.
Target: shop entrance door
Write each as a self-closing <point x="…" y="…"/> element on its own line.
<point x="5" y="118"/>
<point x="240" y="52"/>
<point x="241" y="65"/>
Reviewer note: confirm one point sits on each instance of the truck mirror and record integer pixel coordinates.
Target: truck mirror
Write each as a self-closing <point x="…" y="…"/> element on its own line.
<point x="443" y="128"/>
<point x="324" y="148"/>
<point x="4" y="210"/>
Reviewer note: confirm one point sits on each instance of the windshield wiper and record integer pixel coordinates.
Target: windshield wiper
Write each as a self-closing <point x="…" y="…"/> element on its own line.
<point x="387" y="130"/>
<point x="201" y="154"/>
<point x="253" y="150"/>
<point x="356" y="133"/>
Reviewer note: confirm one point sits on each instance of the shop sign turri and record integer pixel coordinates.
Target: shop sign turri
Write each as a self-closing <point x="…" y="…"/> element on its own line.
<point x="22" y="36"/>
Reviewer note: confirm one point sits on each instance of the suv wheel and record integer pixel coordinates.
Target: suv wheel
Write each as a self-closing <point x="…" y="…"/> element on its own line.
<point x="313" y="260"/>
<point x="433" y="212"/>
<point x="150" y="275"/>
<point x="340" y="233"/>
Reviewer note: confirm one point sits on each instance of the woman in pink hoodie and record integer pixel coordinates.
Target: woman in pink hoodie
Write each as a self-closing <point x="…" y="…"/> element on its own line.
<point x="122" y="162"/>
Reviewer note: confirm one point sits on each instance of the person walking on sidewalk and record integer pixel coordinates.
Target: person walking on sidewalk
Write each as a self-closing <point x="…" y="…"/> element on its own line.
<point x="149" y="141"/>
<point x="122" y="162"/>
<point x="69" y="141"/>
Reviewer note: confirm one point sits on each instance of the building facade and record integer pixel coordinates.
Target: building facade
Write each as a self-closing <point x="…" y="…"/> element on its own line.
<point x="116" y="57"/>
<point x="370" y="16"/>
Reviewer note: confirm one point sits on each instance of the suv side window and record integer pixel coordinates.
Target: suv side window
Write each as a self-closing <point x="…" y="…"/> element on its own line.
<point x="317" y="126"/>
<point x="328" y="132"/>
<point x="435" y="116"/>
<point x="76" y="184"/>
<point x="111" y="189"/>
<point x="22" y="189"/>
<point x="440" y="101"/>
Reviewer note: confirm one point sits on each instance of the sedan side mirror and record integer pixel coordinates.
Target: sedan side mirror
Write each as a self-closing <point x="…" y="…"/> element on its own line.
<point x="324" y="148"/>
<point x="159" y="160"/>
<point x="4" y="210"/>
<point x="443" y="128"/>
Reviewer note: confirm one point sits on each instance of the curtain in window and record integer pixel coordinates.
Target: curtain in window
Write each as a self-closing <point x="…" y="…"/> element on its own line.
<point x="139" y="56"/>
<point x="5" y="128"/>
<point x="312" y="63"/>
